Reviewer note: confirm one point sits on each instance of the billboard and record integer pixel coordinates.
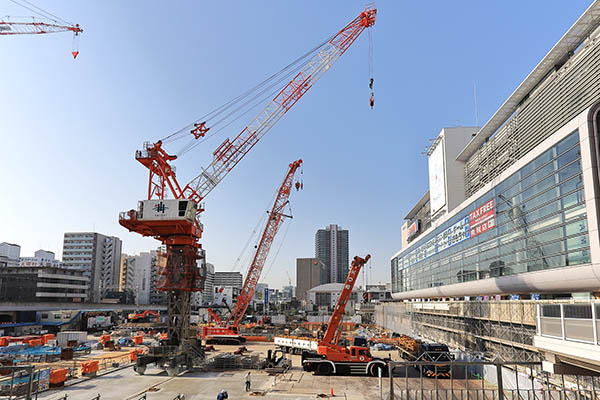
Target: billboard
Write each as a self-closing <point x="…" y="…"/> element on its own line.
<point x="437" y="178"/>
<point x="483" y="218"/>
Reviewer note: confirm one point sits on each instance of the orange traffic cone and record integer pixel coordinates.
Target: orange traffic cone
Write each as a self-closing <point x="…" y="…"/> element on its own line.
<point x="332" y="395"/>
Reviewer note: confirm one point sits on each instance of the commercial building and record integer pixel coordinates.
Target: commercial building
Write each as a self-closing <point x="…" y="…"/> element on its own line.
<point x="98" y="255"/>
<point x="48" y="284"/>
<point x="310" y="272"/>
<point x="512" y="212"/>
<point x="9" y="254"/>
<point x="41" y="258"/>
<point x="331" y="247"/>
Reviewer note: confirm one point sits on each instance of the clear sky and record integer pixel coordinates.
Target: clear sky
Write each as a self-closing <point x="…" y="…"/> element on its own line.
<point x="69" y="129"/>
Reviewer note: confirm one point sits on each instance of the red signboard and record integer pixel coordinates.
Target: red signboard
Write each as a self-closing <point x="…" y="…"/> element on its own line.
<point x="483" y="218"/>
<point x="413" y="228"/>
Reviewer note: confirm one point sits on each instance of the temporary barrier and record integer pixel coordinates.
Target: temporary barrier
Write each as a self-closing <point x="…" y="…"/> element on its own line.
<point x="89" y="367"/>
<point x="58" y="377"/>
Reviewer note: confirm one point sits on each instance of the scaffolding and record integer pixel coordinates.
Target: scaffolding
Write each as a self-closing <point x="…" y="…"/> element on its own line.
<point x="502" y="328"/>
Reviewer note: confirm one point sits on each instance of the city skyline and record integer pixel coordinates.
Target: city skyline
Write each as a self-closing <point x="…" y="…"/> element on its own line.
<point x="82" y="161"/>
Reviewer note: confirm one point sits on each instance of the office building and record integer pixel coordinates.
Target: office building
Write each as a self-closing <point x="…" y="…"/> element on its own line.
<point x="43" y="284"/>
<point x="223" y="279"/>
<point x="331" y="247"/>
<point x="310" y="272"/>
<point x="98" y="255"/>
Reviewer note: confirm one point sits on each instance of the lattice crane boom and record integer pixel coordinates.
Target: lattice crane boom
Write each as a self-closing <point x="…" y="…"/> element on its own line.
<point x="8" y="27"/>
<point x="332" y="334"/>
<point x="274" y="221"/>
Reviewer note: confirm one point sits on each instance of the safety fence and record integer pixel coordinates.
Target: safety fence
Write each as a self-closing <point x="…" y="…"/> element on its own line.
<point x="485" y="380"/>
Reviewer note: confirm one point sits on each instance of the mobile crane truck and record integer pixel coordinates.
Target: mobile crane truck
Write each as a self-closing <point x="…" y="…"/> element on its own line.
<point x="332" y="358"/>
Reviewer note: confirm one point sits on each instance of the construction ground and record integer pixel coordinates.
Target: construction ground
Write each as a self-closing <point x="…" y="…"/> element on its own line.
<point x="125" y="384"/>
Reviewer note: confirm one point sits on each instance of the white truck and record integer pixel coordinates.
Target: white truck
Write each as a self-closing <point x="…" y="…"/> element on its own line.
<point x="295" y="345"/>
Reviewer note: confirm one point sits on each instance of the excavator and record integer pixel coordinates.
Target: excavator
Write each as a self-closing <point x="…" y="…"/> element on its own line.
<point x="145" y="316"/>
<point x="332" y="358"/>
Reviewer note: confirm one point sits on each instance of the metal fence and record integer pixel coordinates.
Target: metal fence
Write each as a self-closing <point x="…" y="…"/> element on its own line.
<point x="485" y="380"/>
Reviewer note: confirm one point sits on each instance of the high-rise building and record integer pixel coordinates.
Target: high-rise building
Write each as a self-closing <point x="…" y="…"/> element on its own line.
<point x="310" y="272"/>
<point x="331" y="247"/>
<point x="98" y="255"/>
<point x="208" y="293"/>
<point x="127" y="273"/>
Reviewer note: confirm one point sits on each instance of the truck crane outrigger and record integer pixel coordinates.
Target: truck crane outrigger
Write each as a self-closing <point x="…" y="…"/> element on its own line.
<point x="332" y="358"/>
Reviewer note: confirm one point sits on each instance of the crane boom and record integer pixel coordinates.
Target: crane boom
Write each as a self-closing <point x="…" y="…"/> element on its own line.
<point x="35" y="28"/>
<point x="274" y="221"/>
<point x="332" y="334"/>
<point x="229" y="153"/>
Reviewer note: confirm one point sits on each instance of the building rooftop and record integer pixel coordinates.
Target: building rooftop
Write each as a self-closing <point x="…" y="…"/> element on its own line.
<point x="561" y="52"/>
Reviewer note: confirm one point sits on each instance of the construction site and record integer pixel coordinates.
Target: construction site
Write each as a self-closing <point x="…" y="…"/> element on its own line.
<point x="494" y="286"/>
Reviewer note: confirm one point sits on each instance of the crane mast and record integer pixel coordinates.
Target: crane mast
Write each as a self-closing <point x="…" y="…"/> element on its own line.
<point x="274" y="221"/>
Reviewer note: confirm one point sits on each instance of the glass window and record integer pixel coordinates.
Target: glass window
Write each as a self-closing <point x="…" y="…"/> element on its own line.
<point x="539" y="224"/>
<point x="538" y="162"/>
<point x="578" y="257"/>
<point x="538" y="175"/>
<point x="567" y="142"/>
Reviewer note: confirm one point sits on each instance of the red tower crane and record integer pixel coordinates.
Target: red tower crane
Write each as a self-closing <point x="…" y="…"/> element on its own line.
<point x="175" y="221"/>
<point x="228" y="331"/>
<point x="9" y="27"/>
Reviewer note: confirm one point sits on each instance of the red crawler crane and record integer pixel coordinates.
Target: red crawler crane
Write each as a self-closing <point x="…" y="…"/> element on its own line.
<point x="175" y="222"/>
<point x="228" y="331"/>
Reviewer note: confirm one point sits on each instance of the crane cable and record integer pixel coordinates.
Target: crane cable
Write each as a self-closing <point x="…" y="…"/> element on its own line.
<point x="42" y="13"/>
<point x="256" y="92"/>
<point x="237" y="266"/>
<point x="278" y="250"/>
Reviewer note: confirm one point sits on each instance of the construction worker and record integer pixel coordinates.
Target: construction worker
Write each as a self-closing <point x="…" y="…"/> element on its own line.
<point x="248" y="381"/>
<point x="222" y="395"/>
<point x="372" y="100"/>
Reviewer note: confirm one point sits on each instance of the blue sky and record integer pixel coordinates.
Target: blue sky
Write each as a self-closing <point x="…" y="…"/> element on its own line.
<point x="69" y="129"/>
